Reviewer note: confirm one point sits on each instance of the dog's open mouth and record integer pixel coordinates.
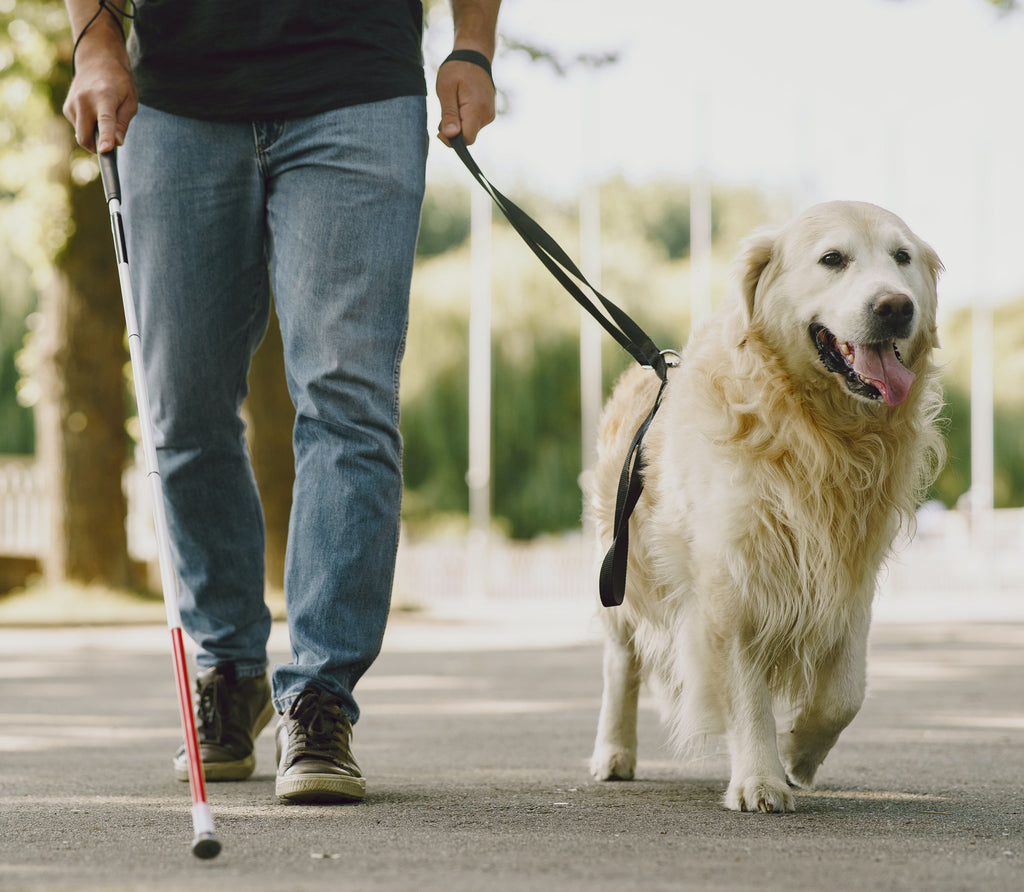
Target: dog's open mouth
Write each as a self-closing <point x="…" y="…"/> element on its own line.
<point x="871" y="371"/>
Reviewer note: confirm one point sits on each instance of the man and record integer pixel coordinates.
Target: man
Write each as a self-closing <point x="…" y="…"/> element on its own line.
<point x="276" y="148"/>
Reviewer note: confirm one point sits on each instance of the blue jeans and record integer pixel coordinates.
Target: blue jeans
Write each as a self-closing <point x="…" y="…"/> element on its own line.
<point x="323" y="213"/>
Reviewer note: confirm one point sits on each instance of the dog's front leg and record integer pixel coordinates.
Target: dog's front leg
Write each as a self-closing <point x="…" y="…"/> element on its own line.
<point x="832" y="703"/>
<point x="758" y="781"/>
<point x="614" y="755"/>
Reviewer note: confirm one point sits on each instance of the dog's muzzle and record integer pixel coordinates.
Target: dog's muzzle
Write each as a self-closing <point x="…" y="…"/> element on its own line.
<point x="871" y="371"/>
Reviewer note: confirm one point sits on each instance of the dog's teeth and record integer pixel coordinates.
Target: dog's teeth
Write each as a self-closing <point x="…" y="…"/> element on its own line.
<point x="846" y="348"/>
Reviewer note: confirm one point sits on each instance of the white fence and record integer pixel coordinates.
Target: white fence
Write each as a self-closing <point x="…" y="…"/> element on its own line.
<point x="24" y="509"/>
<point x="455" y="570"/>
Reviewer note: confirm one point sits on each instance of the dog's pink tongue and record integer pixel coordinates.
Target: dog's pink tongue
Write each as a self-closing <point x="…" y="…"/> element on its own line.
<point x="879" y="364"/>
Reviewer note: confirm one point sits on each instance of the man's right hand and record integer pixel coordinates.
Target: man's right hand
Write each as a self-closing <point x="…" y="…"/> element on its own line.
<point x="102" y="96"/>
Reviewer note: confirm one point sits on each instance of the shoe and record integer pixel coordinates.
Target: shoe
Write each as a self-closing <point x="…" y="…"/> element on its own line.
<point x="230" y="713"/>
<point x="314" y="758"/>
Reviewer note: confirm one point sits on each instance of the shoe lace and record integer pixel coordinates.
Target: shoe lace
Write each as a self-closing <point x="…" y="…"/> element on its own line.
<point x="210" y="708"/>
<point x="320" y="719"/>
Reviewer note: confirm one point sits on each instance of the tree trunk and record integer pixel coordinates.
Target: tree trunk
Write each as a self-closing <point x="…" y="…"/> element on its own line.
<point x="272" y="416"/>
<point x="80" y="419"/>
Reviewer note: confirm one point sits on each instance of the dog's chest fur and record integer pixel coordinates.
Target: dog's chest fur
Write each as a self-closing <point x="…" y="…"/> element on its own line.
<point x="776" y="503"/>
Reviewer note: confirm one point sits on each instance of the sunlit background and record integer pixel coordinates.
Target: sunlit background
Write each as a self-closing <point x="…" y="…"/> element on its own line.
<point x="911" y="104"/>
<point x="649" y="138"/>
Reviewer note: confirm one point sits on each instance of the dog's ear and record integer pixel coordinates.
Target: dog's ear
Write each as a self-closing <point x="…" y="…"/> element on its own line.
<point x="933" y="263"/>
<point x="755" y="255"/>
<point x="935" y="269"/>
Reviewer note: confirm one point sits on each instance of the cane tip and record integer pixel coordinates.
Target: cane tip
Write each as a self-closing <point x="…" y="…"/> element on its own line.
<point x="205" y="846"/>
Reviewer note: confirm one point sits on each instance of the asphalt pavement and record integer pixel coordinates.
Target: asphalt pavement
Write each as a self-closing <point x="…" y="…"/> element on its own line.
<point x="474" y="738"/>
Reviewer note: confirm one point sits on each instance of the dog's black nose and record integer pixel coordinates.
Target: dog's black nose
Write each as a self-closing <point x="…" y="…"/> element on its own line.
<point x="895" y="312"/>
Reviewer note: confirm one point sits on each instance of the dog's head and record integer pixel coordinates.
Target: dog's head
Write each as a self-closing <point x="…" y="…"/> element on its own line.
<point x="846" y="291"/>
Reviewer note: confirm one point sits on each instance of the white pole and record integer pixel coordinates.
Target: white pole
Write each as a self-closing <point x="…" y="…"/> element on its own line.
<point x="590" y="330"/>
<point x="982" y="495"/>
<point x="478" y="476"/>
<point x="700" y="218"/>
<point x="591" y="395"/>
<point x="982" y="501"/>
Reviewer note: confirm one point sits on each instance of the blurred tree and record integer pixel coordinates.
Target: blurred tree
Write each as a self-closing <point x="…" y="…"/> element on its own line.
<point x="665" y="210"/>
<point x="444" y="223"/>
<point x="81" y="439"/>
<point x="55" y="219"/>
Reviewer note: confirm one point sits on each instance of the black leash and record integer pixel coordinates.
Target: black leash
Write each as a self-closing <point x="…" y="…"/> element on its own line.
<point x="633" y="339"/>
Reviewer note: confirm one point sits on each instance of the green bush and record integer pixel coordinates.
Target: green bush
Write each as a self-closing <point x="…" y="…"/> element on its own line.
<point x="535" y="441"/>
<point x="444" y="221"/>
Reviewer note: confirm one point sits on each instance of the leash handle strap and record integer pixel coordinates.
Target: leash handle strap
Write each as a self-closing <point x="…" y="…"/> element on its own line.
<point x="629" y="335"/>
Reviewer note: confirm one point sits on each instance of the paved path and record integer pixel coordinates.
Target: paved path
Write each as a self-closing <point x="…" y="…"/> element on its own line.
<point x="474" y="738"/>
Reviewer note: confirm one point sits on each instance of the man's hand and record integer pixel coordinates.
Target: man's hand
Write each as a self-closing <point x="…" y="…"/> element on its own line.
<point x="465" y="89"/>
<point x="102" y="95"/>
<point x="467" y="100"/>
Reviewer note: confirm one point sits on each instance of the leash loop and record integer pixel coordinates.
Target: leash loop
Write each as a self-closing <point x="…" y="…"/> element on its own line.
<point x="630" y="336"/>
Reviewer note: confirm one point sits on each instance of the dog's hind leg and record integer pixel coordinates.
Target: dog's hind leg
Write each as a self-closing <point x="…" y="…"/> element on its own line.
<point x="832" y="703"/>
<point x="614" y="755"/>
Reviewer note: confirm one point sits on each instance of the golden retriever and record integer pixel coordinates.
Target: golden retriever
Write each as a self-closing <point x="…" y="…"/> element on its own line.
<point x="795" y="437"/>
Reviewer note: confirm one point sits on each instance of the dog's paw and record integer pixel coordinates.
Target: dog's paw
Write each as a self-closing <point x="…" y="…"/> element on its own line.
<point x="763" y="794"/>
<point x="612" y="765"/>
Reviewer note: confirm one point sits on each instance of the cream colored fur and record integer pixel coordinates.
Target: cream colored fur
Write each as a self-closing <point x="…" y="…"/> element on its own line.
<point x="773" y="494"/>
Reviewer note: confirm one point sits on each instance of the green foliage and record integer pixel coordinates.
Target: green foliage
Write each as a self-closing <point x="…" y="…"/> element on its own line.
<point x="444" y="222"/>
<point x="536" y="437"/>
<point x="671" y="229"/>
<point x="1008" y="446"/>
<point x="17" y="430"/>
<point x="666" y="216"/>
<point x="34" y="48"/>
<point x="435" y="428"/>
<point x="1008" y="423"/>
<point x="34" y="219"/>
<point x="537" y="440"/>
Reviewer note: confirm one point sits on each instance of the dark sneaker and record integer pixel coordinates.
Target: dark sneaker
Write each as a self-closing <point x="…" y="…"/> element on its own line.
<point x="314" y="758"/>
<point x="230" y="713"/>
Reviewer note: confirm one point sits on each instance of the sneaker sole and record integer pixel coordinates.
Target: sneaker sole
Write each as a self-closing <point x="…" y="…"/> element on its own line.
<point x="236" y="770"/>
<point x="321" y="788"/>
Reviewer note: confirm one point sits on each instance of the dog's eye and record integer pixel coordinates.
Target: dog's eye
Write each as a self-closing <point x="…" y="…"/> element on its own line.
<point x="833" y="260"/>
<point x="902" y="256"/>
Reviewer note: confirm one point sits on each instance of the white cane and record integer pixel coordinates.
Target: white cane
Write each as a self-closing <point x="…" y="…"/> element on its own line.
<point x="204" y="842"/>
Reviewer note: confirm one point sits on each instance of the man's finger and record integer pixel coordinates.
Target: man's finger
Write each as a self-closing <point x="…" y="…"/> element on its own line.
<point x="451" y="122"/>
<point x="106" y="126"/>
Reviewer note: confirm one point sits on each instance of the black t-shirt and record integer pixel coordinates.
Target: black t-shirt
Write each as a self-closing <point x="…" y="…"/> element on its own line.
<point x="234" y="60"/>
